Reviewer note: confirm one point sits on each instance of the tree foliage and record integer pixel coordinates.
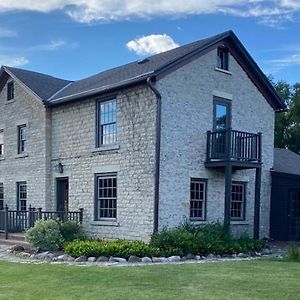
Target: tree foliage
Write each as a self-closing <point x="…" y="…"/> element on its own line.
<point x="287" y="124"/>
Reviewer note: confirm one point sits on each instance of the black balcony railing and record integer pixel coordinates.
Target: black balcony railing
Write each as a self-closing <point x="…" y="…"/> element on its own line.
<point x="233" y="145"/>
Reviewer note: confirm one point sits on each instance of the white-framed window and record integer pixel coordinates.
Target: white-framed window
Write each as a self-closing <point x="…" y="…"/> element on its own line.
<point x="106" y="122"/>
<point x="1" y="196"/>
<point x="1" y="142"/>
<point x="198" y="199"/>
<point x="10" y="91"/>
<point x="222" y="58"/>
<point x="22" y="129"/>
<point x="22" y="195"/>
<point x="106" y="196"/>
<point x="238" y="201"/>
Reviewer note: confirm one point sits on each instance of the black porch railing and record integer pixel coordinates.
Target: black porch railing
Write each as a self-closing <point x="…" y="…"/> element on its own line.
<point x="230" y="145"/>
<point x="12" y="221"/>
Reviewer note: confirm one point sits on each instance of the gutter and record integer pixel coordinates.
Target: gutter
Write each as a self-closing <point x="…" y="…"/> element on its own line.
<point x="157" y="153"/>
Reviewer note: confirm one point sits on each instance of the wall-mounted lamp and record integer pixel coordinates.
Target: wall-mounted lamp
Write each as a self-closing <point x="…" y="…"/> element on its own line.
<point x="60" y="168"/>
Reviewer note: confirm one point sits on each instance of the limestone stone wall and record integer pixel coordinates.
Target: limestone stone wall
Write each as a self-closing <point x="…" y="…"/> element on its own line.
<point x="187" y="113"/>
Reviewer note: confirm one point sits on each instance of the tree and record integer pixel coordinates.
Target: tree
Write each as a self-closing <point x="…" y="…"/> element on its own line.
<point x="287" y="124"/>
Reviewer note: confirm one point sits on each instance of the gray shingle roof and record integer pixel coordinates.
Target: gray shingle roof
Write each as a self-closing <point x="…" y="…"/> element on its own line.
<point x="41" y="84"/>
<point x="286" y="161"/>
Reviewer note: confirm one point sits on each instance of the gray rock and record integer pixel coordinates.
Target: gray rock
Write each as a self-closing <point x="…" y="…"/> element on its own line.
<point x="146" y="260"/>
<point x="266" y="251"/>
<point x="189" y="256"/>
<point x="33" y="256"/>
<point x="210" y="256"/>
<point x="257" y="254"/>
<point x="134" y="259"/>
<point x="102" y="259"/>
<point x="219" y="256"/>
<point x="17" y="248"/>
<point x="242" y="255"/>
<point x="174" y="258"/>
<point x="117" y="259"/>
<point x="159" y="259"/>
<point x="203" y="257"/>
<point x="65" y="257"/>
<point x="234" y="255"/>
<point x="198" y="257"/>
<point x="91" y="259"/>
<point x="81" y="259"/>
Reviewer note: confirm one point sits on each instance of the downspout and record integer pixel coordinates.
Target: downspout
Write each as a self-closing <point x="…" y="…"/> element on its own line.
<point x="157" y="152"/>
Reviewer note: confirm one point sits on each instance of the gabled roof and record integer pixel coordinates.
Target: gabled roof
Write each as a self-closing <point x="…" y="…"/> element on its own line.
<point x="42" y="85"/>
<point x="286" y="161"/>
<point x="153" y="67"/>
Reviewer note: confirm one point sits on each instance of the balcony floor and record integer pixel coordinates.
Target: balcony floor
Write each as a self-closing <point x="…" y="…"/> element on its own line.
<point x="236" y="164"/>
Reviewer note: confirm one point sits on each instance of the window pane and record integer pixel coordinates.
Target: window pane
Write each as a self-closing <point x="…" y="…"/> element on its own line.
<point x="237" y="201"/>
<point x="197" y="201"/>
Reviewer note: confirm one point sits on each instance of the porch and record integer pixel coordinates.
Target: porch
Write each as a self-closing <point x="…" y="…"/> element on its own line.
<point x="16" y="221"/>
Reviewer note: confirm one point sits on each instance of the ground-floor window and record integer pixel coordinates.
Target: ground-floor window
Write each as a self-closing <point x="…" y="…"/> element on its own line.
<point x="22" y="195"/>
<point x="238" y="200"/>
<point x="1" y="196"/>
<point x="197" y="199"/>
<point x="106" y="196"/>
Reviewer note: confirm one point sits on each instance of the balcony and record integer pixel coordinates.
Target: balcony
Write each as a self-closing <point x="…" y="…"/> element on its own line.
<point x="242" y="150"/>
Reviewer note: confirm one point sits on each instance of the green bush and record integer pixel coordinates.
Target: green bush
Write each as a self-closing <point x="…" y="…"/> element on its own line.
<point x="45" y="235"/>
<point x="118" y="248"/>
<point x="71" y="231"/>
<point x="202" y="239"/>
<point x="293" y="253"/>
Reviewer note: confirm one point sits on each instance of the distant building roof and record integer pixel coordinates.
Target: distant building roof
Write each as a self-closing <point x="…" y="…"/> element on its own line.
<point x="286" y="161"/>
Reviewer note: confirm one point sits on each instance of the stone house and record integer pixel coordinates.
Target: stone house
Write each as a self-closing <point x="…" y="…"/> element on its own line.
<point x="182" y="135"/>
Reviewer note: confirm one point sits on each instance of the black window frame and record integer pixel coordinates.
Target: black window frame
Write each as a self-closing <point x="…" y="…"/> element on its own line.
<point x="202" y="181"/>
<point x="99" y="215"/>
<point x="244" y="201"/>
<point x="20" y="200"/>
<point x="1" y="142"/>
<point x="223" y="58"/>
<point x="1" y="196"/>
<point x="22" y="142"/>
<point x="100" y="123"/>
<point x="10" y="91"/>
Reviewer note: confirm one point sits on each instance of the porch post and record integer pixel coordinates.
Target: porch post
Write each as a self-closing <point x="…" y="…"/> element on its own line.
<point x="228" y="183"/>
<point x="6" y="222"/>
<point x="257" y="203"/>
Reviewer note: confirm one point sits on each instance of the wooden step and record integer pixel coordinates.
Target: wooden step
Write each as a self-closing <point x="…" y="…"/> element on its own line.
<point x="14" y="242"/>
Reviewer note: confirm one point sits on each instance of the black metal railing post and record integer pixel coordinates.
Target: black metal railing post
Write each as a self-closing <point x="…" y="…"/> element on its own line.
<point x="208" y="145"/>
<point x="40" y="213"/>
<point x="80" y="215"/>
<point x="228" y="144"/>
<point x="259" y="146"/>
<point x="6" y="222"/>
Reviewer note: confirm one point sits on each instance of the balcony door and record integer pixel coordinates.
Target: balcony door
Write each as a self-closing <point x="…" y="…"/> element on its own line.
<point x="62" y="194"/>
<point x="221" y="123"/>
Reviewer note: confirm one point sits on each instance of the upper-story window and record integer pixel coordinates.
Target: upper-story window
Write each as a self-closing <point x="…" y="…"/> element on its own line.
<point x="10" y="91"/>
<point x="1" y="142"/>
<point x="107" y="122"/>
<point x="222" y="58"/>
<point x="22" y="139"/>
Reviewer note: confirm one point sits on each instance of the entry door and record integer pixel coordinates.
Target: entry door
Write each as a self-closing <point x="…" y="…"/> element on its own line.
<point x="295" y="215"/>
<point x="62" y="185"/>
<point x="221" y="123"/>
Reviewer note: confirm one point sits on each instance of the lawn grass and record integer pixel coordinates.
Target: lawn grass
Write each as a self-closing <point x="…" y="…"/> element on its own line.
<point x="259" y="279"/>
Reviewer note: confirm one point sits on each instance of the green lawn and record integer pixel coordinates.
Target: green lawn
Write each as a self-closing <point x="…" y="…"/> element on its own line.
<point x="263" y="279"/>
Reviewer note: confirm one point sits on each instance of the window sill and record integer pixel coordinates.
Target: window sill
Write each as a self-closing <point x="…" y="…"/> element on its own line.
<point x="239" y="222"/>
<point x="223" y="71"/>
<point x="21" y="155"/>
<point x="10" y="101"/>
<point x="197" y="221"/>
<point x="112" y="223"/>
<point x="106" y="148"/>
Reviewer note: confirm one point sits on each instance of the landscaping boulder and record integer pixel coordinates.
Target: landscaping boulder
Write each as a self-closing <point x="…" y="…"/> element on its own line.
<point x="189" y="256"/>
<point x="242" y="255"/>
<point x="81" y="259"/>
<point x="134" y="259"/>
<point x="198" y="257"/>
<point x="211" y="256"/>
<point x="102" y="259"/>
<point x="117" y="259"/>
<point x="17" y="248"/>
<point x="91" y="259"/>
<point x="174" y="258"/>
<point x="146" y="260"/>
<point x="65" y="257"/>
<point x="159" y="259"/>
<point x="234" y="255"/>
<point x="266" y="251"/>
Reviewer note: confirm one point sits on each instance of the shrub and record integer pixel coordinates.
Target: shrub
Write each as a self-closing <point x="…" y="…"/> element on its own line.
<point x="45" y="235"/>
<point x="293" y="253"/>
<point x="202" y="239"/>
<point x="118" y="248"/>
<point x="71" y="231"/>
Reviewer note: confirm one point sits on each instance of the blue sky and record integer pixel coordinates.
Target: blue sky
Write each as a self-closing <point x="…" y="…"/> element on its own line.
<point x="73" y="39"/>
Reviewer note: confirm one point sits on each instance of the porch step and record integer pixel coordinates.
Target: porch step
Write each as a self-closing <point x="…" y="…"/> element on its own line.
<point x="14" y="242"/>
<point x="13" y="239"/>
<point x="16" y="236"/>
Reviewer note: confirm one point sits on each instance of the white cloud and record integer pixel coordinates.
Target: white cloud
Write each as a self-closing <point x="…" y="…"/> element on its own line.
<point x="13" y="61"/>
<point x="7" y="33"/>
<point x="87" y="11"/>
<point x="151" y="44"/>
<point x="53" y="45"/>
